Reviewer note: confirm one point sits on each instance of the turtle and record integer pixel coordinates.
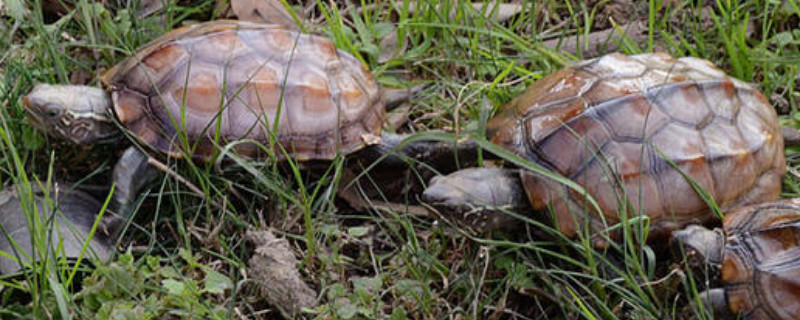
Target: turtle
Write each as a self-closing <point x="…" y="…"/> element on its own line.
<point x="263" y="89"/>
<point x="757" y="256"/>
<point x="67" y="213"/>
<point x="639" y="134"/>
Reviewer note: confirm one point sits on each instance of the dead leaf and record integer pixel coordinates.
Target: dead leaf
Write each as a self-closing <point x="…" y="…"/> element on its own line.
<point x="616" y="11"/>
<point x="398" y="117"/>
<point x="149" y="7"/>
<point x="274" y="270"/>
<point x="389" y="47"/>
<point x="54" y="9"/>
<point x="600" y="42"/>
<point x="499" y="12"/>
<point x="267" y="11"/>
<point x="780" y="102"/>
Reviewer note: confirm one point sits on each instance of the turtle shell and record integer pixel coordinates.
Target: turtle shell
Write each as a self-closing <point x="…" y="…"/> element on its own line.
<point x="761" y="261"/>
<point x="635" y="132"/>
<point x="70" y="216"/>
<point x="197" y="88"/>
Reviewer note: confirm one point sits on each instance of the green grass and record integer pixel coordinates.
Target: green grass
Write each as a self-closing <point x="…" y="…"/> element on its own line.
<point x="185" y="256"/>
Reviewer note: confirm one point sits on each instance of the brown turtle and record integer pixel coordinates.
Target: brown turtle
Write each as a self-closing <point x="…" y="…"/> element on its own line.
<point x="758" y="254"/>
<point x="634" y="132"/>
<point x="272" y="91"/>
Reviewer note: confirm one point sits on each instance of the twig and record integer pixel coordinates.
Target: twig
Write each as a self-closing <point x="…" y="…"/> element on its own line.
<point x="414" y="210"/>
<point x="602" y="41"/>
<point x="161" y="166"/>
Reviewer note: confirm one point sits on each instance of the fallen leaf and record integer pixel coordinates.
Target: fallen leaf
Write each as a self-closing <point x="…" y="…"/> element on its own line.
<point x="390" y="48"/>
<point x="499" y="12"/>
<point x="268" y="11"/>
<point x="149" y="7"/>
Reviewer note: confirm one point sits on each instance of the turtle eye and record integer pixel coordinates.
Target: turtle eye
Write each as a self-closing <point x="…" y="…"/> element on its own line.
<point x="52" y="110"/>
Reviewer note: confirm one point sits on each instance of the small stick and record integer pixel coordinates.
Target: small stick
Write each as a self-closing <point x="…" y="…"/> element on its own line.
<point x="604" y="40"/>
<point x="414" y="210"/>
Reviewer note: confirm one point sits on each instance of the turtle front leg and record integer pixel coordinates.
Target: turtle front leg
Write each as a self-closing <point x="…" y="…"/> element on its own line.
<point x="479" y="198"/>
<point x="394" y="168"/>
<point x="716" y="300"/>
<point x="131" y="173"/>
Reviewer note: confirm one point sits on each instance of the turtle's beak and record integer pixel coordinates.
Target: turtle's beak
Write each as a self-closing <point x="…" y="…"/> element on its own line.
<point x="32" y="100"/>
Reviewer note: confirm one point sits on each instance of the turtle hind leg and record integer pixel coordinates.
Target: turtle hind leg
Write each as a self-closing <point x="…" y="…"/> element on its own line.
<point x="131" y="173"/>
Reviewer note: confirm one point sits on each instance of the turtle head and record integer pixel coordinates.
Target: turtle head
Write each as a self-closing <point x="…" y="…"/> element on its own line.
<point x="76" y="113"/>
<point x="479" y="198"/>
<point x="700" y="246"/>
